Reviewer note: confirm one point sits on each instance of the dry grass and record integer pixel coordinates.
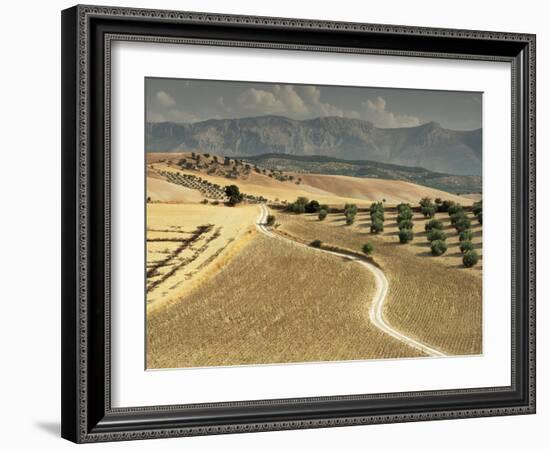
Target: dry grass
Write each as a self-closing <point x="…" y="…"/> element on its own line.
<point x="434" y="299"/>
<point x="329" y="189"/>
<point x="264" y="307"/>
<point x="186" y="243"/>
<point x="368" y="189"/>
<point x="163" y="191"/>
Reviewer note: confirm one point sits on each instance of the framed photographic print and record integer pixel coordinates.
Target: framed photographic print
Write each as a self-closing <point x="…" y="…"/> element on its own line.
<point x="276" y="224"/>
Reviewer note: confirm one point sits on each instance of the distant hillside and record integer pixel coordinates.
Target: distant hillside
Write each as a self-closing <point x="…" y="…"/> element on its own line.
<point x="428" y="146"/>
<point x="179" y="177"/>
<point x="367" y="169"/>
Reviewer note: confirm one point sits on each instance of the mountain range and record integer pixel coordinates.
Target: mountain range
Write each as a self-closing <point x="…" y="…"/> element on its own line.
<point x="429" y="146"/>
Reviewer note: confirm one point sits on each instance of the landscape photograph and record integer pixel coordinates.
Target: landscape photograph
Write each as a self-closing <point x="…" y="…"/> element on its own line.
<point x="292" y="223"/>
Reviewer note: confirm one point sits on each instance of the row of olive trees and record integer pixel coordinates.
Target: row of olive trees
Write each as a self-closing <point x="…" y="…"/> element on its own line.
<point x="462" y="223"/>
<point x="350" y="211"/>
<point x="377" y="217"/>
<point x="433" y="227"/>
<point x="405" y="222"/>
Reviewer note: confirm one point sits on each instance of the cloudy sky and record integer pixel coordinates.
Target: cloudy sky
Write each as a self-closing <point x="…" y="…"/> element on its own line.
<point x="184" y="101"/>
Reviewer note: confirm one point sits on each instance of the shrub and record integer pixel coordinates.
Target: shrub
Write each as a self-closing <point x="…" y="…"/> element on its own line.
<point x="427" y="208"/>
<point x="444" y="206"/>
<point x="323" y="214"/>
<point x="215" y="202"/>
<point x="376" y="226"/>
<point x="405" y="235"/>
<point x="403" y="207"/>
<point x="350" y="209"/>
<point x="428" y="211"/>
<point x="438" y="247"/>
<point x="378" y="215"/>
<point x="425" y="202"/>
<point x="465" y="235"/>
<point x="368" y="249"/>
<point x="404" y="215"/>
<point x="298" y="206"/>
<point x="312" y="207"/>
<point x="477" y="208"/>
<point x="234" y="194"/>
<point x="454" y="208"/>
<point x="436" y="234"/>
<point x="466" y="245"/>
<point x="405" y="224"/>
<point x="433" y="224"/>
<point x="270" y="221"/>
<point x="376" y="206"/>
<point x="205" y="201"/>
<point x="316" y="243"/>
<point x="463" y="224"/>
<point x="455" y="218"/>
<point x="470" y="258"/>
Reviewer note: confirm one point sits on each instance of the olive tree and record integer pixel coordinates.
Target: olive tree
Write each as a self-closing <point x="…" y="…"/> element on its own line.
<point x="368" y="248"/>
<point x="433" y="224"/>
<point x="436" y="234"/>
<point x="470" y="258"/>
<point x="466" y="245"/>
<point x="438" y="247"/>
<point x="376" y="226"/>
<point x="405" y="235"/>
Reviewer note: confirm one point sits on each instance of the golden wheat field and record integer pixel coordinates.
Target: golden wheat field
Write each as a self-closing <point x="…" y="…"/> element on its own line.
<point x="433" y="299"/>
<point x="220" y="292"/>
<point x="272" y="303"/>
<point x="187" y="242"/>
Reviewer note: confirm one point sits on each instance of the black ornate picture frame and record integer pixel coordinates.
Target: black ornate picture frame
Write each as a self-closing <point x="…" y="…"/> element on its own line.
<point x="87" y="34"/>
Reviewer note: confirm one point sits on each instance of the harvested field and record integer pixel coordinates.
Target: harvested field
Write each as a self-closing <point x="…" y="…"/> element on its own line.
<point x="433" y="299"/>
<point x="280" y="313"/>
<point x="160" y="190"/>
<point x="187" y="242"/>
<point x="369" y="189"/>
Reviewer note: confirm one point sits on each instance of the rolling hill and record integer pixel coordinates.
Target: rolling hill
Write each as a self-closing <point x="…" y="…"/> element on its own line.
<point x="279" y="187"/>
<point x="428" y="146"/>
<point x="368" y="169"/>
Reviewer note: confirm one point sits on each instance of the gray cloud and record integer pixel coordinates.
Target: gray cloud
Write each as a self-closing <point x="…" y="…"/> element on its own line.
<point x="380" y="116"/>
<point x="187" y="100"/>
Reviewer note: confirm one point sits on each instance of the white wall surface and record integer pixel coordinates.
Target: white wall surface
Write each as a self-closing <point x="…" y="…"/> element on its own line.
<point x="30" y="224"/>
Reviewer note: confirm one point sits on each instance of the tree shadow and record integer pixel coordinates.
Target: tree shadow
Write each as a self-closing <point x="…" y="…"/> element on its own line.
<point x="421" y="244"/>
<point x="426" y="254"/>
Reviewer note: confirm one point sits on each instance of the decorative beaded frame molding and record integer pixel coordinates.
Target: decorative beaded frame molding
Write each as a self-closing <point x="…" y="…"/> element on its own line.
<point x="87" y="415"/>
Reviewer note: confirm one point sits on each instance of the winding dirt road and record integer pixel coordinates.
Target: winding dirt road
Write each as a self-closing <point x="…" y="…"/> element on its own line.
<point x="376" y="314"/>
